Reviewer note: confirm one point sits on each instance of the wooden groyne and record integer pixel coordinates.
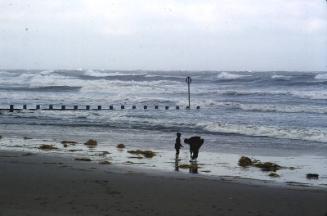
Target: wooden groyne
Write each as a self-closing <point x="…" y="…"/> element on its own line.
<point x="52" y="107"/>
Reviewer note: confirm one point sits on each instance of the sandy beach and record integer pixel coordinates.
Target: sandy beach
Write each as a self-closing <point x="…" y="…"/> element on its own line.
<point x="39" y="184"/>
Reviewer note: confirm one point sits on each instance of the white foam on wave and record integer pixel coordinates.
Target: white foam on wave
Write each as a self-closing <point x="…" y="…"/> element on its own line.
<point x="230" y="76"/>
<point x="310" y="94"/>
<point x="281" y="77"/>
<point x="321" y="76"/>
<point x="46" y="72"/>
<point x="307" y="134"/>
<point x="118" y="87"/>
<point x="164" y="76"/>
<point x="281" y="108"/>
<point x="96" y="73"/>
<point x="50" y="79"/>
<point x="10" y="79"/>
<point x="6" y="73"/>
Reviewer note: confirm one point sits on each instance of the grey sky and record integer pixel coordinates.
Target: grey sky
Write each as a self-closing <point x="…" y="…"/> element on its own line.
<point x="164" y="34"/>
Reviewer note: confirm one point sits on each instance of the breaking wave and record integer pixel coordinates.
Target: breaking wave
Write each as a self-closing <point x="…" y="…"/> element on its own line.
<point x="280" y="108"/>
<point x="322" y="76"/>
<point x="281" y="77"/>
<point x="310" y="134"/>
<point x="230" y="76"/>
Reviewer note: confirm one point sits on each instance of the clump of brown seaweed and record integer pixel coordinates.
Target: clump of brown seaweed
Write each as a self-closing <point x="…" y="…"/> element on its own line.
<point x="188" y="166"/>
<point x="66" y="143"/>
<point x="267" y="166"/>
<point x="264" y="166"/>
<point x="245" y="162"/>
<point x="105" y="162"/>
<point x="120" y="146"/>
<point x="83" y="159"/>
<point x="47" y="147"/>
<point x="91" y="143"/>
<point x="147" y="153"/>
<point x="274" y="175"/>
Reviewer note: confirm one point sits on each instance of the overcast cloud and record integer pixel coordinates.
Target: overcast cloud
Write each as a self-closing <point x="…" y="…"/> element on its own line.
<point x="164" y="34"/>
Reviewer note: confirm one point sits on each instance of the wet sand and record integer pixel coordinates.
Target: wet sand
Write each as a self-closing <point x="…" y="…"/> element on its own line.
<point x="43" y="184"/>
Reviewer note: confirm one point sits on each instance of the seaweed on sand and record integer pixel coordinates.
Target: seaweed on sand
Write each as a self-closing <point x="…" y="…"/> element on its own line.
<point x="105" y="162"/>
<point x="136" y="157"/>
<point x="184" y="166"/>
<point x="104" y="153"/>
<point x="131" y="162"/>
<point x="274" y="175"/>
<point x="120" y="146"/>
<point x="83" y="159"/>
<point x="91" y="143"/>
<point x="188" y="166"/>
<point x="264" y="166"/>
<point x="245" y="161"/>
<point x="47" y="147"/>
<point x="147" y="153"/>
<point x="68" y="142"/>
<point x="267" y="166"/>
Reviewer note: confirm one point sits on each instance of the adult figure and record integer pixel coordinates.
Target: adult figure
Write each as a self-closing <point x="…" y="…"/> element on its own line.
<point x="195" y="143"/>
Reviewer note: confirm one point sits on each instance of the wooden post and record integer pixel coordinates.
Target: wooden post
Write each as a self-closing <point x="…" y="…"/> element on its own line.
<point x="198" y="107"/>
<point x="50" y="107"/>
<point x="133" y="107"/>
<point x="111" y="107"/>
<point x="99" y="107"/>
<point x="177" y="107"/>
<point x="63" y="107"/>
<point x="188" y="81"/>
<point x="122" y="107"/>
<point x="24" y="106"/>
<point x="87" y="107"/>
<point x="37" y="107"/>
<point x="11" y="108"/>
<point x="167" y="107"/>
<point x="156" y="107"/>
<point x="75" y="107"/>
<point x="145" y="107"/>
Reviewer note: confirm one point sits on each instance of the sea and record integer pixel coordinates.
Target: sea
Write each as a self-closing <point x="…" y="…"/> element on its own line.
<point x="276" y="116"/>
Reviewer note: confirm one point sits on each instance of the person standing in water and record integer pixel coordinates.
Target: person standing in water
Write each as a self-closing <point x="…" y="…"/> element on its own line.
<point x="178" y="144"/>
<point x="195" y="143"/>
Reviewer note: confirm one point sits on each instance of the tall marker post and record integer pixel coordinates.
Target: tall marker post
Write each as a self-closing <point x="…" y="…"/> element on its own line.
<point x="188" y="81"/>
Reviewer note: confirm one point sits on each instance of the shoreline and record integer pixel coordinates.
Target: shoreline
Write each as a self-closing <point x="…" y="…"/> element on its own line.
<point x="211" y="164"/>
<point x="157" y="172"/>
<point x="43" y="184"/>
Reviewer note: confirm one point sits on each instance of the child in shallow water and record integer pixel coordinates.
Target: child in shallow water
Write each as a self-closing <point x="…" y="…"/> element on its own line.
<point x="178" y="144"/>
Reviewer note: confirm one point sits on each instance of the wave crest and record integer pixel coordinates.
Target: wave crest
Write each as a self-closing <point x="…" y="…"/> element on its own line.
<point x="317" y="135"/>
<point x="280" y="77"/>
<point x="322" y="76"/>
<point x="230" y="76"/>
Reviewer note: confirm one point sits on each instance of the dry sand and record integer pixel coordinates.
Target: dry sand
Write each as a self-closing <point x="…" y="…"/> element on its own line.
<point x="53" y="185"/>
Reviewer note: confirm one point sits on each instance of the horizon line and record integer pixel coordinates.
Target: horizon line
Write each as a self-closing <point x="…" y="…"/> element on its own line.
<point x="158" y="70"/>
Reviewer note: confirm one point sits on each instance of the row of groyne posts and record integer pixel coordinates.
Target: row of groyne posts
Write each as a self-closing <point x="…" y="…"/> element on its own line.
<point x="88" y="107"/>
<point x="99" y="107"/>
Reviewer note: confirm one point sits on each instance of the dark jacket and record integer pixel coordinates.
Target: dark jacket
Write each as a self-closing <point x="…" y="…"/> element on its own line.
<point x="195" y="143"/>
<point x="178" y="144"/>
